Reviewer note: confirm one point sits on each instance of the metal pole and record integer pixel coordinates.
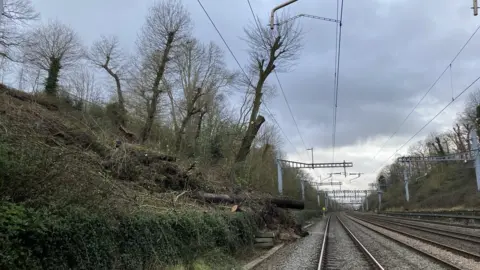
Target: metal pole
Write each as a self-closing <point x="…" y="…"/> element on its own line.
<point x="476" y="156"/>
<point x="379" y="200"/>
<point x="279" y="177"/>
<point x="405" y="179"/>
<point x="312" y="159"/>
<point x="366" y="202"/>
<point x="303" y="189"/>
<point x="272" y="15"/>
<point x="311" y="149"/>
<point x="475" y="7"/>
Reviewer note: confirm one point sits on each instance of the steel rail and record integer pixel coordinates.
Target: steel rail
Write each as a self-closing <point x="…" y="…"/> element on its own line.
<point x="418" y="251"/>
<point x="460" y="252"/>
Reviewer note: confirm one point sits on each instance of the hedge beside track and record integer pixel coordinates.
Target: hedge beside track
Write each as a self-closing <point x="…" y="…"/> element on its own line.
<point x="32" y="239"/>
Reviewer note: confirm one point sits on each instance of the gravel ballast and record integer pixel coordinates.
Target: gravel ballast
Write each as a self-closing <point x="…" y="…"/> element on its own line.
<point x="342" y="253"/>
<point x="445" y="240"/>
<point x="435" y="251"/>
<point x="388" y="253"/>
<point x="301" y="254"/>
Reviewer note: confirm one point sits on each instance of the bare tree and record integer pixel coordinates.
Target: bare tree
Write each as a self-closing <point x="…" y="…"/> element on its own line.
<point x="16" y="13"/>
<point x="460" y="135"/>
<point x="166" y="26"/>
<point x="268" y="51"/>
<point x="105" y="53"/>
<point x="419" y="149"/>
<point x="29" y="78"/>
<point x="84" y="86"/>
<point x="201" y="74"/>
<point x="52" y="47"/>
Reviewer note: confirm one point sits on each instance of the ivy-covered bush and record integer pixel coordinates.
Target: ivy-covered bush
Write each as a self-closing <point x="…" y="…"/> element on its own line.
<point x="31" y="239"/>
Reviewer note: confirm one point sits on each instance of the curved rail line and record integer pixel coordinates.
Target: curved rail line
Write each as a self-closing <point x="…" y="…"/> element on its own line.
<point x="454" y="250"/>
<point x="323" y="253"/>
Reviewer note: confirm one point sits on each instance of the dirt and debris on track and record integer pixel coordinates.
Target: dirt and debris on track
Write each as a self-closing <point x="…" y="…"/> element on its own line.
<point x="301" y="254"/>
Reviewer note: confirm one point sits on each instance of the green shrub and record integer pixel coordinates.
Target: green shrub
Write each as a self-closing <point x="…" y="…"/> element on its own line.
<point x="305" y="215"/>
<point x="22" y="169"/>
<point x="78" y="240"/>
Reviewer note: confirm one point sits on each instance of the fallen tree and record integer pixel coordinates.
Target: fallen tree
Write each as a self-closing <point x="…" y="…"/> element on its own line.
<point x="238" y="199"/>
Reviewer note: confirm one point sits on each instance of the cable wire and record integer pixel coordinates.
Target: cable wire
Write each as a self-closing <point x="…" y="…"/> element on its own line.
<point x="430" y="121"/>
<point x="428" y="91"/>
<point x="278" y="79"/>
<point x="243" y="71"/>
<point x="337" y="74"/>
<point x="289" y="108"/>
<point x="281" y="87"/>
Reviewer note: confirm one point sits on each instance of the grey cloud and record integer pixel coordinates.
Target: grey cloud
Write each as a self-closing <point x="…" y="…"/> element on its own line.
<point x="391" y="52"/>
<point x="388" y="61"/>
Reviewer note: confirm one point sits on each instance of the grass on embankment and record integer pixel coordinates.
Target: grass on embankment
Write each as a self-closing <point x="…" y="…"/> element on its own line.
<point x="446" y="188"/>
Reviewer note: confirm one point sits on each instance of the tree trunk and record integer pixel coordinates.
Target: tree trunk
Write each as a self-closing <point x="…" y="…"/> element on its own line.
<point x="477" y="121"/>
<point x="199" y="125"/>
<point x="121" y="100"/>
<point x="181" y="131"/>
<point x="256" y="120"/>
<point x="191" y="111"/>
<point x="248" y="139"/>
<point x="51" y="84"/>
<point x="458" y="138"/>
<point x="173" y="111"/>
<point x="224" y="198"/>
<point x="152" y="108"/>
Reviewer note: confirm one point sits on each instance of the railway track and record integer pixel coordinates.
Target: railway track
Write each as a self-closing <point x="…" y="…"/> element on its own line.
<point x="417" y="218"/>
<point x="454" y="250"/>
<point x="336" y="248"/>
<point x="468" y="237"/>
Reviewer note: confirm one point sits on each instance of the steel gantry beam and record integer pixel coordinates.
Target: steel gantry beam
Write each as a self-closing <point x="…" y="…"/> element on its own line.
<point x="303" y="165"/>
<point x="349" y="196"/>
<point x="354" y="191"/>
<point x="318" y="184"/>
<point x="361" y="195"/>
<point x="357" y="174"/>
<point x="332" y="183"/>
<point x="281" y="163"/>
<point x="472" y="155"/>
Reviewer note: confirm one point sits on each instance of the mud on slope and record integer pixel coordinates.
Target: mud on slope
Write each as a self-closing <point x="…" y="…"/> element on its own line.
<point x="53" y="158"/>
<point x="57" y="159"/>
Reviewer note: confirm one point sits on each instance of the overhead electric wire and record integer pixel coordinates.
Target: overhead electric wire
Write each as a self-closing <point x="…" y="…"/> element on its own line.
<point x="289" y="108"/>
<point x="428" y="90"/>
<point x="338" y="40"/>
<point x="243" y="71"/>
<point x="281" y="87"/>
<point x="430" y="121"/>
<point x="277" y="77"/>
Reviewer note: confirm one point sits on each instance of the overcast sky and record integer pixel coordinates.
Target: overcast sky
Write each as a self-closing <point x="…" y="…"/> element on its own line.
<point x="392" y="51"/>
